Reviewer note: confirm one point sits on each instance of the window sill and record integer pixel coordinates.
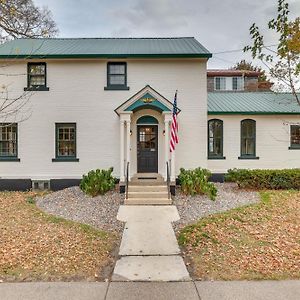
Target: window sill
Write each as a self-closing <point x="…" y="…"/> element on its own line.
<point x="216" y="157"/>
<point x="14" y="159"/>
<point x="65" y="159"/>
<point x="248" y="157"/>
<point x="116" y="88"/>
<point x="38" y="88"/>
<point x="294" y="148"/>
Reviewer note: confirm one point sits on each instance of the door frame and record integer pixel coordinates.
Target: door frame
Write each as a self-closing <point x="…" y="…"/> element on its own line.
<point x="137" y="146"/>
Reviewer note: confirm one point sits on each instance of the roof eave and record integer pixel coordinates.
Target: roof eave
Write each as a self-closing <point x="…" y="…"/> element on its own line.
<point x="63" y="56"/>
<point x="250" y="113"/>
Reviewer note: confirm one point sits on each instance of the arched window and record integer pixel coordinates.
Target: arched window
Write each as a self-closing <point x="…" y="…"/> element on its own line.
<point x="215" y="138"/>
<point x="248" y="138"/>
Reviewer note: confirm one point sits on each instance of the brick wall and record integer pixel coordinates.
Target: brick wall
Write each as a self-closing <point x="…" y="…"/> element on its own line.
<point x="251" y="84"/>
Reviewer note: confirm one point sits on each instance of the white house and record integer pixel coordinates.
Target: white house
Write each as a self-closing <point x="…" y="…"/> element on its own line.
<point x="97" y="103"/>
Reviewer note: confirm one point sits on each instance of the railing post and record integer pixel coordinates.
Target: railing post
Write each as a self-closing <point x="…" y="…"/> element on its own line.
<point x="168" y="180"/>
<point x="127" y="175"/>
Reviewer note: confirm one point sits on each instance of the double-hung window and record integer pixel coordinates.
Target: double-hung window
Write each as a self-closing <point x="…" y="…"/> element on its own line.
<point x="37" y="76"/>
<point x="9" y="142"/>
<point x="248" y="139"/>
<point x="220" y="83"/>
<point x="295" y="137"/>
<point x="237" y="83"/>
<point x="116" y="76"/>
<point x="65" y="148"/>
<point x="215" y="139"/>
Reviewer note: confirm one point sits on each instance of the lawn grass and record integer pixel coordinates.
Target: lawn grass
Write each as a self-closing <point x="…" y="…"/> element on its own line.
<point x="38" y="246"/>
<point x="259" y="241"/>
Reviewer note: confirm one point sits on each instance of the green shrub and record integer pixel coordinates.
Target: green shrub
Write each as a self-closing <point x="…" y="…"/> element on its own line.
<point x="196" y="182"/>
<point x="97" y="182"/>
<point x="265" y="179"/>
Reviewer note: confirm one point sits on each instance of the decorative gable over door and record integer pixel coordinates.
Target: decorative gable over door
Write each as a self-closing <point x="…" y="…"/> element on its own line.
<point x="145" y="98"/>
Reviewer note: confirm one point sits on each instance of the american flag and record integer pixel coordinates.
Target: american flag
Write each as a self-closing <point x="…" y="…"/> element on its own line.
<point x="174" y="126"/>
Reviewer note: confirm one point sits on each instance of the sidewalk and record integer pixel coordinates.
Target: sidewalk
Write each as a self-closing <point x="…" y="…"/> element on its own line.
<point x="149" y="250"/>
<point x="203" y="290"/>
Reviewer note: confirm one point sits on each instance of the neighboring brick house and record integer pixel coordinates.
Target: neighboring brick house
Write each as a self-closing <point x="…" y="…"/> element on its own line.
<point x="235" y="81"/>
<point x="98" y="103"/>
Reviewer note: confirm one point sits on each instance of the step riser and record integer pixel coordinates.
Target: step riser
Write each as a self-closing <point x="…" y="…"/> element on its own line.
<point x="146" y="183"/>
<point x="147" y="188"/>
<point x="147" y="201"/>
<point x="147" y="195"/>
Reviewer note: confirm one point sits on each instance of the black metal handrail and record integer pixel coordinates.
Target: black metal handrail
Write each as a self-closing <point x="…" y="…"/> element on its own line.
<point x="127" y="179"/>
<point x="168" y="181"/>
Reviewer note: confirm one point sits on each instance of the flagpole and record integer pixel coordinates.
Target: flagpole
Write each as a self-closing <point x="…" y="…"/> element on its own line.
<point x="173" y="152"/>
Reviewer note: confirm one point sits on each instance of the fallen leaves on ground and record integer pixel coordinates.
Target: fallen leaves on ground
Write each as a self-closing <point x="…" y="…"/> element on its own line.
<point x="260" y="241"/>
<point x="37" y="246"/>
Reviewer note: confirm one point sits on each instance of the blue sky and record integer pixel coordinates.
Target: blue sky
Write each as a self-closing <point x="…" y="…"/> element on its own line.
<point x="220" y="25"/>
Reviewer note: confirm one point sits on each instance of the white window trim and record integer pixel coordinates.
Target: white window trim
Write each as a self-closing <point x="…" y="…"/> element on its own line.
<point x="215" y="83"/>
<point x="229" y="83"/>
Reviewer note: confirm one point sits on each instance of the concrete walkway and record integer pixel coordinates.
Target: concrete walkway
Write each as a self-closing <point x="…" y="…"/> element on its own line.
<point x="204" y="290"/>
<point x="149" y="250"/>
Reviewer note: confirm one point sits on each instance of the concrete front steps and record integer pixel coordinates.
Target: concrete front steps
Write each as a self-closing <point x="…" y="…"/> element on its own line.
<point x="147" y="189"/>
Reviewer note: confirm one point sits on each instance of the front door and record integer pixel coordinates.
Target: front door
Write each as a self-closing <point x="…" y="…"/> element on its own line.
<point x="147" y="154"/>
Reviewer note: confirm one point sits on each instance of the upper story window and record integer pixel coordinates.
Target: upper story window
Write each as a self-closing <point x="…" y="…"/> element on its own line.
<point x="237" y="83"/>
<point x="295" y="137"/>
<point x="215" y="139"/>
<point x="220" y="83"/>
<point x="116" y="76"/>
<point x="8" y="141"/>
<point x="229" y="83"/>
<point x="248" y="139"/>
<point x="37" y="77"/>
<point x="65" y="146"/>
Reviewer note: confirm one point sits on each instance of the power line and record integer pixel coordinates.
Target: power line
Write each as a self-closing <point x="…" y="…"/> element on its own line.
<point x="239" y="50"/>
<point x="225" y="60"/>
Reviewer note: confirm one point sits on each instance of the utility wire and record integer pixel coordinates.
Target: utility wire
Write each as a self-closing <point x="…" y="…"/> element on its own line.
<point x="239" y="50"/>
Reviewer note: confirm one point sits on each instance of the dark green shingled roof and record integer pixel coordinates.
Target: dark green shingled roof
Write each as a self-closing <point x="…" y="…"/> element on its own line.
<point x="103" y="48"/>
<point x="252" y="103"/>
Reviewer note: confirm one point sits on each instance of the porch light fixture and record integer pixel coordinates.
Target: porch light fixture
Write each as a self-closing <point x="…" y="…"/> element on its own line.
<point x="164" y="132"/>
<point x="130" y="132"/>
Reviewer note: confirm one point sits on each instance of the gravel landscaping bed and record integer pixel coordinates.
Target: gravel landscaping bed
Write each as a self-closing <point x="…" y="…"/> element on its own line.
<point x="72" y="204"/>
<point x="193" y="208"/>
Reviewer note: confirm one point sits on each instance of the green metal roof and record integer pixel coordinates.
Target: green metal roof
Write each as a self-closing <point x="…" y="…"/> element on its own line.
<point x="103" y="48"/>
<point x="252" y="103"/>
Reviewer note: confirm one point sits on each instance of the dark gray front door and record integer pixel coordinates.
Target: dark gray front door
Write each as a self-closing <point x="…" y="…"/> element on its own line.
<point x="147" y="154"/>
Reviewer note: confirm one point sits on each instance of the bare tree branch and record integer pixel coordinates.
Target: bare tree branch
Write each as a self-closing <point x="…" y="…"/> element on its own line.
<point x="20" y="19"/>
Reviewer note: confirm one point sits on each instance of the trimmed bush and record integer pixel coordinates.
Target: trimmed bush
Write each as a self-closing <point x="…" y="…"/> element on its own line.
<point x="97" y="182"/>
<point x="265" y="179"/>
<point x="196" y="182"/>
